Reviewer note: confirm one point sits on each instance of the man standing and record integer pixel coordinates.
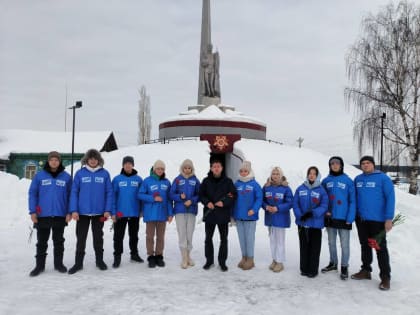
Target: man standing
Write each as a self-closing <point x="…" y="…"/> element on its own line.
<point x="340" y="215"/>
<point x="48" y="206"/>
<point x="126" y="210"/>
<point x="217" y="194"/>
<point x="375" y="208"/>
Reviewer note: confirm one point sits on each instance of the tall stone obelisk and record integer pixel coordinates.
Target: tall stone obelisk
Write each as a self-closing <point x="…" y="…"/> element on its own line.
<point x="208" y="76"/>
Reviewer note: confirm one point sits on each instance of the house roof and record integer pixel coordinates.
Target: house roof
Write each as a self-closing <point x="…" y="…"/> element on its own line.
<point x="32" y="141"/>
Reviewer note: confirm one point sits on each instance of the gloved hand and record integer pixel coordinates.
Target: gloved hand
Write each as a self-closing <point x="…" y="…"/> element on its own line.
<point x="307" y="215"/>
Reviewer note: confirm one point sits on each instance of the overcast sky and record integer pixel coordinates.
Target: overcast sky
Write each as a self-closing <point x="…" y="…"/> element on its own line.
<point x="282" y="61"/>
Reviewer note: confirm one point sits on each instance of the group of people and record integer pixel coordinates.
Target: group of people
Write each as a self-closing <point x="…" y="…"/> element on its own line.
<point x="92" y="198"/>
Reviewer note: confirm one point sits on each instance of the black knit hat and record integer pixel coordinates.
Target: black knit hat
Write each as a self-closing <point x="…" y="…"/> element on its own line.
<point x="367" y="158"/>
<point x="128" y="159"/>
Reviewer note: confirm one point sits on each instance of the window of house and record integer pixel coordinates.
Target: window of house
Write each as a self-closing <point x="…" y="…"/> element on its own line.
<point x="30" y="171"/>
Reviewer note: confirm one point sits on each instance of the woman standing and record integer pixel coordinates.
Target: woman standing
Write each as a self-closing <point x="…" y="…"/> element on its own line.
<point x="309" y="206"/>
<point x="277" y="202"/>
<point x="245" y="213"/>
<point x="184" y="193"/>
<point x="157" y="209"/>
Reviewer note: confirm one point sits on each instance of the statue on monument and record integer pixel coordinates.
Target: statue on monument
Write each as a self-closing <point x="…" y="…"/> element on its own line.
<point x="210" y="71"/>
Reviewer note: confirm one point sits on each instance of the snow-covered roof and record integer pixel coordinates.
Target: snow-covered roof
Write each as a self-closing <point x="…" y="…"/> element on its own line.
<point x="213" y="112"/>
<point x="31" y="141"/>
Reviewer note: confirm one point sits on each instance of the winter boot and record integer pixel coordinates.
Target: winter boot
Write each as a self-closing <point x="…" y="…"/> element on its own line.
<point x="249" y="263"/>
<point x="278" y="267"/>
<point x="190" y="261"/>
<point x="361" y="275"/>
<point x="117" y="261"/>
<point x="385" y="284"/>
<point x="242" y="262"/>
<point x="184" y="255"/>
<point x="152" y="261"/>
<point x="344" y="273"/>
<point x="58" y="263"/>
<point x="40" y="265"/>
<point x="208" y="265"/>
<point x="135" y="257"/>
<point x="223" y="267"/>
<point x="272" y="265"/>
<point x="331" y="266"/>
<point x="159" y="261"/>
<point x="100" y="261"/>
<point x="78" y="265"/>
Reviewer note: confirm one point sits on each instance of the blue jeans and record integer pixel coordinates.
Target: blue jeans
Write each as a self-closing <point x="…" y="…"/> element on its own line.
<point x="345" y="245"/>
<point x="246" y="234"/>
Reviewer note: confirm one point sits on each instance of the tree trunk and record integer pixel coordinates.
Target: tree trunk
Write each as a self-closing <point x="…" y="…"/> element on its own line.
<point x="413" y="176"/>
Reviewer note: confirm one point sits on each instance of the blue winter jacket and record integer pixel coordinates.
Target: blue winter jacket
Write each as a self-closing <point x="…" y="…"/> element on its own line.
<point x="49" y="196"/>
<point x="310" y="198"/>
<point x="91" y="193"/>
<point x="153" y="210"/>
<point x="375" y="197"/>
<point x="282" y="198"/>
<point x="342" y="198"/>
<point x="125" y="202"/>
<point x="249" y="196"/>
<point x="190" y="187"/>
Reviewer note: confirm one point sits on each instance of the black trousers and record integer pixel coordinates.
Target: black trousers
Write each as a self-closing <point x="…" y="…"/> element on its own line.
<point x="310" y="249"/>
<point x="370" y="229"/>
<point x="208" y="243"/>
<point x="44" y="228"/>
<point x="82" y="228"/>
<point x="119" y="232"/>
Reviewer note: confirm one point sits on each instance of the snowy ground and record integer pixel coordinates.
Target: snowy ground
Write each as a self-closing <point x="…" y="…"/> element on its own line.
<point x="133" y="288"/>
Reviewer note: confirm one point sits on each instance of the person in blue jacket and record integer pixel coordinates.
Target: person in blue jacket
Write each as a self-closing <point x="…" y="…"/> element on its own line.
<point x="48" y="206"/>
<point x="157" y="209"/>
<point x="340" y="215"/>
<point x="245" y="213"/>
<point x="309" y="206"/>
<point x="184" y="193"/>
<point x="126" y="209"/>
<point x="277" y="202"/>
<point x="90" y="203"/>
<point x="375" y="207"/>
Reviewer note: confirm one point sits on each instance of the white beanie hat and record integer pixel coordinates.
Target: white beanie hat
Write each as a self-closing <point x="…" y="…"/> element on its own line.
<point x="246" y="165"/>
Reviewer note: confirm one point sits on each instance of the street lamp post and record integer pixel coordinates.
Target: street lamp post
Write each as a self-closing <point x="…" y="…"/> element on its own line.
<point x="77" y="105"/>
<point x="382" y="138"/>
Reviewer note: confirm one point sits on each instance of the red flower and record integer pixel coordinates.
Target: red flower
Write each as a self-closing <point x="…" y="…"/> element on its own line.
<point x="103" y="219"/>
<point x="177" y="181"/>
<point x="119" y="214"/>
<point x="339" y="202"/>
<point x="373" y="244"/>
<point x="156" y="193"/>
<point x="315" y="200"/>
<point x="332" y="197"/>
<point x="38" y="209"/>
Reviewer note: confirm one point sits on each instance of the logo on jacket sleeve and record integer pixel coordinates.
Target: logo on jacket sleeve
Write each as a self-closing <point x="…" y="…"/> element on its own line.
<point x="279" y="196"/>
<point x="99" y="180"/>
<point x="46" y="182"/>
<point x="303" y="193"/>
<point x="359" y="184"/>
<point x="154" y="187"/>
<point x="249" y="188"/>
<point x="163" y="187"/>
<point x="370" y="184"/>
<point x="60" y="183"/>
<point x="330" y="184"/>
<point x="192" y="182"/>
<point x="86" y="179"/>
<point x="268" y="195"/>
<point x="181" y="182"/>
<point x="122" y="184"/>
<point x="134" y="183"/>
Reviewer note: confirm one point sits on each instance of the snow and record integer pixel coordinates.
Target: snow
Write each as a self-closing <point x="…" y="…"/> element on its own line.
<point x="213" y="112"/>
<point x="134" y="288"/>
<point x="30" y="141"/>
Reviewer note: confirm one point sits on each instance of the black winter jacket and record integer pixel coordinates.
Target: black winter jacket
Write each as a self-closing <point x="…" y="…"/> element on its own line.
<point x="214" y="189"/>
